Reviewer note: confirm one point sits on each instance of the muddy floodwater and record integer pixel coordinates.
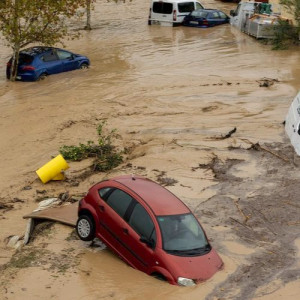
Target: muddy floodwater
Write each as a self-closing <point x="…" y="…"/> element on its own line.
<point x="172" y="94"/>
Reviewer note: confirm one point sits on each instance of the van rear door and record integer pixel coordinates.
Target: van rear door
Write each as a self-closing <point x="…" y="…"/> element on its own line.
<point x="162" y="13"/>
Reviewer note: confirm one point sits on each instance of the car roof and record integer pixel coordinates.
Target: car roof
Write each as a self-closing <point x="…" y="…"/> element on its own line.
<point x="207" y="9"/>
<point x="36" y="50"/>
<point x="159" y="199"/>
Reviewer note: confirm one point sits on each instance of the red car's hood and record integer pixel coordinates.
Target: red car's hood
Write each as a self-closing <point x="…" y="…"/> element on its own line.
<point x="199" y="268"/>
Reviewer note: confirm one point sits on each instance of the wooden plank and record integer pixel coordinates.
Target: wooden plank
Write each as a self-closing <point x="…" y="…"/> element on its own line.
<point x="66" y="214"/>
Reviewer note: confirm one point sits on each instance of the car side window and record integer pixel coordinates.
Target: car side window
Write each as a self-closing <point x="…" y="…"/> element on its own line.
<point x="142" y="223"/>
<point x="198" y="5"/>
<point x="222" y="15"/>
<point x="64" y="54"/>
<point x="119" y="201"/>
<point x="50" y="56"/>
<point x="214" y="15"/>
<point x="186" y="7"/>
<point x="104" y="191"/>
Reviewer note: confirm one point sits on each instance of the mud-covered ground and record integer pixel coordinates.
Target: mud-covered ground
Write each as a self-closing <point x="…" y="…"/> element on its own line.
<point x="174" y="95"/>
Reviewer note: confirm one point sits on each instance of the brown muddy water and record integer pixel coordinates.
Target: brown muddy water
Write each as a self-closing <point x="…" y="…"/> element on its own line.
<point x="170" y="92"/>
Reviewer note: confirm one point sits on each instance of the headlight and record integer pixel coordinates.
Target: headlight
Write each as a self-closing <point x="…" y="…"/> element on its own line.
<point x="185" y="281"/>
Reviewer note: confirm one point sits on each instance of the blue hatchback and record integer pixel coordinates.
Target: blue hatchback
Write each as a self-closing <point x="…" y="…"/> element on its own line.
<point x="38" y="62"/>
<point x="205" y="18"/>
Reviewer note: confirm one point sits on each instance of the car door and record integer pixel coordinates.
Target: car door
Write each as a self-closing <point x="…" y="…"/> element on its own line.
<point x="68" y="60"/>
<point x="115" y="209"/>
<point x="214" y="18"/>
<point x="141" y="237"/>
<point x="112" y="209"/>
<point x="50" y="62"/>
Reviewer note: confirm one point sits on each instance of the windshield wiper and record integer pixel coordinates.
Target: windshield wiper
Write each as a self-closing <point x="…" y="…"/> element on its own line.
<point x="195" y="251"/>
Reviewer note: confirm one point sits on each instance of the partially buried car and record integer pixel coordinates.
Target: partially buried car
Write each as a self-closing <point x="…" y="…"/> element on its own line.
<point x="36" y="63"/>
<point x="149" y="228"/>
<point x="205" y="18"/>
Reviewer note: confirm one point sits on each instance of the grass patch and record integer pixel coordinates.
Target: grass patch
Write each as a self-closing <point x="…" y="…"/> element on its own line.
<point x="26" y="258"/>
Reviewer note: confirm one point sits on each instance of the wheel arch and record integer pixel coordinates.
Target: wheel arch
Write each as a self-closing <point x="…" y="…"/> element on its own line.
<point x="159" y="271"/>
<point x="91" y="212"/>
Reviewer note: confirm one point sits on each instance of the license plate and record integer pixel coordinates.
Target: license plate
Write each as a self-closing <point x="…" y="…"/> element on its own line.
<point x="194" y="22"/>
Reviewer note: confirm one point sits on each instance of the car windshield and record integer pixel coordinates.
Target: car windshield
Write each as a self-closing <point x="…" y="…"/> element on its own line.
<point x="182" y="235"/>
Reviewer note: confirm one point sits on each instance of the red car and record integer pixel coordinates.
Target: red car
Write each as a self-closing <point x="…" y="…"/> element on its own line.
<point x="149" y="228"/>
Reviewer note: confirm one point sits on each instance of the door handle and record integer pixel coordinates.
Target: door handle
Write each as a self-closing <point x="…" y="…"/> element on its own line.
<point x="102" y="207"/>
<point x="125" y="230"/>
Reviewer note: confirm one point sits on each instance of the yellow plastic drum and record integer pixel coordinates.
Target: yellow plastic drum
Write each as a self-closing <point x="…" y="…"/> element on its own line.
<point x="53" y="169"/>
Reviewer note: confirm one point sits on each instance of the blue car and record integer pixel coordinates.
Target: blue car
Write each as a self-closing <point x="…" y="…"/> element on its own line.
<point x="38" y="62"/>
<point x="205" y="18"/>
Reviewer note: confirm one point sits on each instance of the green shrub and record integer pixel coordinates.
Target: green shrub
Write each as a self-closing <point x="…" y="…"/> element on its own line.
<point x="105" y="153"/>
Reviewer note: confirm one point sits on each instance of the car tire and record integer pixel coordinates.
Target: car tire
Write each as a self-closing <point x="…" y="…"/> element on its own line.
<point x="85" y="228"/>
<point x="84" y="66"/>
<point x="42" y="77"/>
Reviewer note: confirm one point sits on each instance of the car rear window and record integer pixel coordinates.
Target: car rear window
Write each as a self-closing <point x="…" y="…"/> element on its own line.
<point x="162" y="8"/>
<point x="186" y="7"/>
<point x="25" y="59"/>
<point x="199" y="14"/>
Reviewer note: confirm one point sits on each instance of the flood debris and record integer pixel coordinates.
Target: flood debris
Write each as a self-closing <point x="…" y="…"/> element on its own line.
<point x="165" y="181"/>
<point x="258" y="147"/>
<point x="14" y="242"/>
<point x="226" y="136"/>
<point x="267" y="82"/>
<point x="53" y="170"/>
<point x="6" y="206"/>
<point x="52" y="209"/>
<point x="220" y="168"/>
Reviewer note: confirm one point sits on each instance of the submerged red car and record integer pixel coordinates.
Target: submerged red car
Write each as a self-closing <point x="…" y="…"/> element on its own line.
<point x="149" y="228"/>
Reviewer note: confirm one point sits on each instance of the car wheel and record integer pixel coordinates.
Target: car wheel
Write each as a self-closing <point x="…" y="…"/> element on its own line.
<point x="42" y="76"/>
<point x="84" y="66"/>
<point x="85" y="228"/>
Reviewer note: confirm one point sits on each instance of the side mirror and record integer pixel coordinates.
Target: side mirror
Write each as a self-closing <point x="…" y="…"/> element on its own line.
<point x="146" y="241"/>
<point x="232" y="13"/>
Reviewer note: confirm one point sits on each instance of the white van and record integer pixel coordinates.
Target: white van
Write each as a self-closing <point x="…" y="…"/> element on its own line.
<point x="292" y="123"/>
<point x="171" y="12"/>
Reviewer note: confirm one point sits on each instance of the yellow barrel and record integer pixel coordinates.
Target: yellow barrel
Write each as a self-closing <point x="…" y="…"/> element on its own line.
<point x="53" y="169"/>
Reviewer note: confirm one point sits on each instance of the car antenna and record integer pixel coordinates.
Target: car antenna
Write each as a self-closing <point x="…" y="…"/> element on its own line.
<point x="132" y="177"/>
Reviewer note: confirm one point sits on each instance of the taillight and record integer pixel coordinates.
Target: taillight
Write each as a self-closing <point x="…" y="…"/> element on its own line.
<point x="205" y="22"/>
<point x="149" y="14"/>
<point x="28" y="68"/>
<point x="174" y="15"/>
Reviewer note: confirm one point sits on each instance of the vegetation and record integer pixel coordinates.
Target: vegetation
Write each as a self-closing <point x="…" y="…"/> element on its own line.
<point x="23" y="22"/>
<point x="287" y="34"/>
<point x="105" y="154"/>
